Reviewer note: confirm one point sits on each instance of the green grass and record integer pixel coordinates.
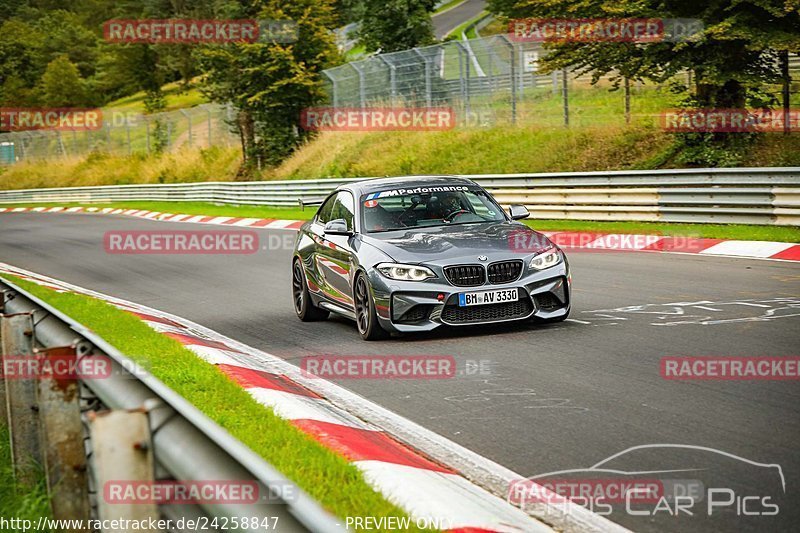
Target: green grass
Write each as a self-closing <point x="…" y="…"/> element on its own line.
<point x="175" y="94"/>
<point x="327" y="477"/>
<point x="711" y="231"/>
<point x="16" y="501"/>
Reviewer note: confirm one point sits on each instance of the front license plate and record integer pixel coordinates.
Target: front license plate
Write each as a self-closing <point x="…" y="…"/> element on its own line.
<point x="466" y="299"/>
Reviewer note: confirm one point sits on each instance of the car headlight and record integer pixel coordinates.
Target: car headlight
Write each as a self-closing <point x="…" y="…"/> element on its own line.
<point x="402" y="272"/>
<point x="546" y="259"/>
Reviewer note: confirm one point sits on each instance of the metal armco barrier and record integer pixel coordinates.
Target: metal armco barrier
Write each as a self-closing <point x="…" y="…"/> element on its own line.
<point x="729" y="195"/>
<point x="138" y="429"/>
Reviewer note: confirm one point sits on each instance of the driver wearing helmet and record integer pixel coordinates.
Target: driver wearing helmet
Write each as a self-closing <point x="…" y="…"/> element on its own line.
<point x="448" y="204"/>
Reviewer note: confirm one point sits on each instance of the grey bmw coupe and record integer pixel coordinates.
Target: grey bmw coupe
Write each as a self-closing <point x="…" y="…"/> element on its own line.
<point x="412" y="254"/>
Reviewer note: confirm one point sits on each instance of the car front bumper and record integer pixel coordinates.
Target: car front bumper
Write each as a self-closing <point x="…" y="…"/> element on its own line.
<point x="407" y="306"/>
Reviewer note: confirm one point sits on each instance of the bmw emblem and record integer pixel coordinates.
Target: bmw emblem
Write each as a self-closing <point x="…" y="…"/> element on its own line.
<point x="482" y="258"/>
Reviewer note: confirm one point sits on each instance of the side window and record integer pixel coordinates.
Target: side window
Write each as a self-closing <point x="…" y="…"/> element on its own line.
<point x="480" y="206"/>
<point x="344" y="207"/>
<point x="324" y="213"/>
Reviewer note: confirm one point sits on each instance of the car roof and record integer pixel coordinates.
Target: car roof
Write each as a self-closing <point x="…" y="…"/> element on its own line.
<point x="403" y="182"/>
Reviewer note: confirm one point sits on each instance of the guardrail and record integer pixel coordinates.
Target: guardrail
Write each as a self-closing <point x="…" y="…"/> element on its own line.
<point x="741" y="195"/>
<point x="126" y="425"/>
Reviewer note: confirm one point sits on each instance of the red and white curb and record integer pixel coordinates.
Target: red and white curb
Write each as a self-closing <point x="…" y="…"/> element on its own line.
<point x="783" y="251"/>
<point x="268" y="223"/>
<point x="426" y="489"/>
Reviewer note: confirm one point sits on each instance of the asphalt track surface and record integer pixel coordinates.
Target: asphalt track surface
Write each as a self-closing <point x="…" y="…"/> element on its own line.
<point x="535" y="399"/>
<point x="452" y="18"/>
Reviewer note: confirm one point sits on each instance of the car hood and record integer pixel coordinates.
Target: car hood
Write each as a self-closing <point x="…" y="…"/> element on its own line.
<point x="460" y="243"/>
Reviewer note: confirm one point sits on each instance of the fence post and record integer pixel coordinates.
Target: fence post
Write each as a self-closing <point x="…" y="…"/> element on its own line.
<point x="62" y="435"/>
<point x="189" y="122"/>
<point x="468" y="63"/>
<point x="565" y="96"/>
<point x="335" y="96"/>
<point x="786" y="82"/>
<point x="513" y="85"/>
<point x="392" y="78"/>
<point x="627" y="101"/>
<point x="428" y="95"/>
<point x="362" y="94"/>
<point x="208" y="113"/>
<point x="491" y="72"/>
<point x="21" y="401"/>
<point x="147" y="134"/>
<point x="121" y="452"/>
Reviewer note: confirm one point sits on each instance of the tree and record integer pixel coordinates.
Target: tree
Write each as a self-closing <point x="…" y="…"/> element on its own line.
<point x="393" y="25"/>
<point x="62" y="85"/>
<point x="731" y="58"/>
<point x="269" y="83"/>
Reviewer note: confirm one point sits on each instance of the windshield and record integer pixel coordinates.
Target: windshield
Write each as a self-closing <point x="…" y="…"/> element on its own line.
<point x="427" y="207"/>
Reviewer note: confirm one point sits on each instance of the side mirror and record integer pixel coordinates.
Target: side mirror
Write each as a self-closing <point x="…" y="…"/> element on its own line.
<point x="337" y="227"/>
<point x="518" y="212"/>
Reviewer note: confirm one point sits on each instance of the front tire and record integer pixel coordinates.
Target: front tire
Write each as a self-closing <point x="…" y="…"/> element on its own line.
<point x="366" y="317"/>
<point x="303" y="306"/>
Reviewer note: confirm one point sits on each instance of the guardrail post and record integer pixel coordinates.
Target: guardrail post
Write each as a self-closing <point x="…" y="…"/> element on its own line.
<point x="62" y="435"/>
<point x="121" y="453"/>
<point x="23" y="423"/>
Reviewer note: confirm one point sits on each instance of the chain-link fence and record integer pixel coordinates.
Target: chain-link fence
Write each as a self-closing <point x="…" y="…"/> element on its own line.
<point x="124" y="134"/>
<point x="488" y="80"/>
<point x="494" y="79"/>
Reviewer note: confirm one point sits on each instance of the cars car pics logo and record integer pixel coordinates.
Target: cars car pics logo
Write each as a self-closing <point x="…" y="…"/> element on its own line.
<point x="653" y="491"/>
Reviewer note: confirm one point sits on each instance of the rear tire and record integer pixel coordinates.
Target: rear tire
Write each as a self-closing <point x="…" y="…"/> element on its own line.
<point x="303" y="306"/>
<point x="366" y="317"/>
